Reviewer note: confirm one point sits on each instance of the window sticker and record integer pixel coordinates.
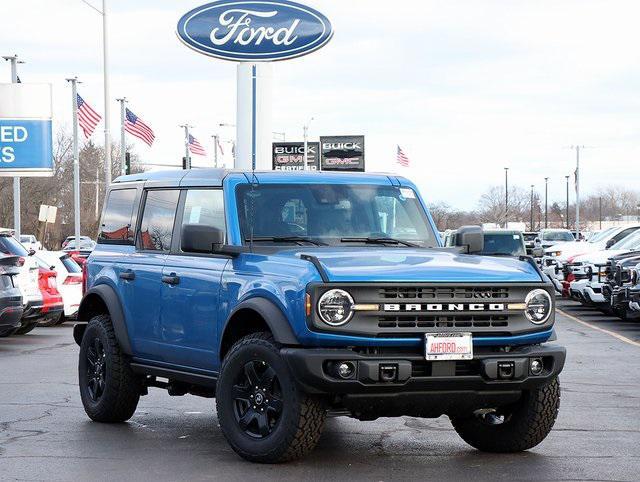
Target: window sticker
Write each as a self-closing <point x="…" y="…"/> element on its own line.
<point x="194" y="216"/>
<point x="407" y="193"/>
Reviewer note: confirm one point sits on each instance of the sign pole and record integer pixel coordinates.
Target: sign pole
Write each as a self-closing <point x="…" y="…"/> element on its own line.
<point x="16" y="180"/>
<point x="123" y="146"/>
<point x="76" y="160"/>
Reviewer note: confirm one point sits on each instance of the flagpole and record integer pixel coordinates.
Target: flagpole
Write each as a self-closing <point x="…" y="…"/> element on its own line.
<point x="215" y="150"/>
<point x="186" y="146"/>
<point x="16" y="180"/>
<point x="123" y="147"/>
<point x="76" y="160"/>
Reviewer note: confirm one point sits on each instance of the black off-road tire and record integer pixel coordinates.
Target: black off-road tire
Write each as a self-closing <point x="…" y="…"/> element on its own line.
<point x="27" y="327"/>
<point x="526" y="423"/>
<point x="119" y="397"/>
<point x="302" y="417"/>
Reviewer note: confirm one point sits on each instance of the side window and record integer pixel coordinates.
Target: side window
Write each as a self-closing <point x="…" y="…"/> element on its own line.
<point x="116" y="222"/>
<point x="204" y="206"/>
<point x="623" y="234"/>
<point x="159" y="213"/>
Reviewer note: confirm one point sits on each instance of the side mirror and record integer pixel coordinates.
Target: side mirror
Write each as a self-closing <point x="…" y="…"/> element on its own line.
<point x="200" y="238"/>
<point x="32" y="252"/>
<point x="610" y="243"/>
<point x="470" y="237"/>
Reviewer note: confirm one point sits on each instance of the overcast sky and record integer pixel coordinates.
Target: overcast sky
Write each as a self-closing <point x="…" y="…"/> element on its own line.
<point x="465" y="87"/>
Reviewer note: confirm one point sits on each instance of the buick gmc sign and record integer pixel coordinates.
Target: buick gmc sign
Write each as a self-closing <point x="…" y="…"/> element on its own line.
<point x="252" y="31"/>
<point x="342" y="153"/>
<point x="289" y="156"/>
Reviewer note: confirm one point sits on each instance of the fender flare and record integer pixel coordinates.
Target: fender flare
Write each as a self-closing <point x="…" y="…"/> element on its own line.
<point x="272" y="315"/>
<point x="111" y="301"/>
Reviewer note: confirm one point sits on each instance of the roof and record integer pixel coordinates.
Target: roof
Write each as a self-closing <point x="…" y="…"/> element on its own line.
<point x="216" y="176"/>
<point x="501" y="231"/>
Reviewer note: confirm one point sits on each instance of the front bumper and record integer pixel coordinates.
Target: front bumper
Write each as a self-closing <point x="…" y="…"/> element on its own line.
<point x="314" y="369"/>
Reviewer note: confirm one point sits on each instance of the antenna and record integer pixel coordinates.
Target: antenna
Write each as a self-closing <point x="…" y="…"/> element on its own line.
<point x="254" y="181"/>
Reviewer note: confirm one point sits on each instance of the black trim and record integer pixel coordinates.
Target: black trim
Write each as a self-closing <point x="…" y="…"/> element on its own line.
<point x="172" y="374"/>
<point x="316" y="262"/>
<point x="110" y="299"/>
<point x="273" y="316"/>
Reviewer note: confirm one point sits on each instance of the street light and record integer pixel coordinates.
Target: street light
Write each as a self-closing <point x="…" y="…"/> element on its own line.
<point x="531" y="204"/>
<point x="546" y="192"/>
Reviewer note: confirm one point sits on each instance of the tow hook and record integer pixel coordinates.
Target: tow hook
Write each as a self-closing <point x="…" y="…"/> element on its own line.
<point x="388" y="373"/>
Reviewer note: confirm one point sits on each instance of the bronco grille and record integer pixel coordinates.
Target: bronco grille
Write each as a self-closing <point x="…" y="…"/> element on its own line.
<point x="443" y="293"/>
<point x="456" y="321"/>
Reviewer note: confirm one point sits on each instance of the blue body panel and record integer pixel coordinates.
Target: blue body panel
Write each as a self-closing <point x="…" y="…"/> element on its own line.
<point x="182" y="325"/>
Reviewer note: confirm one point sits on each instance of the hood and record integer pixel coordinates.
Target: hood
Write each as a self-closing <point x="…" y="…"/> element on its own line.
<point x="573" y="249"/>
<point x="390" y="264"/>
<point x="598" y="257"/>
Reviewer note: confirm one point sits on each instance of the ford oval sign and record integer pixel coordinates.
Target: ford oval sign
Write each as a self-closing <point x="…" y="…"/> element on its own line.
<point x="252" y="31"/>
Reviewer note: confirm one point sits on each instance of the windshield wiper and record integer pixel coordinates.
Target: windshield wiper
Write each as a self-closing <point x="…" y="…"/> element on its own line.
<point x="381" y="240"/>
<point x="286" y="239"/>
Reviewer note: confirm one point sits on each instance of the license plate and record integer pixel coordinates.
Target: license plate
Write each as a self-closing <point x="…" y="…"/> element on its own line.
<point x="448" y="346"/>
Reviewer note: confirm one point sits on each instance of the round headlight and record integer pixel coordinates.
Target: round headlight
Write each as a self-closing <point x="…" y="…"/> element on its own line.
<point x="335" y="307"/>
<point x="538" y="306"/>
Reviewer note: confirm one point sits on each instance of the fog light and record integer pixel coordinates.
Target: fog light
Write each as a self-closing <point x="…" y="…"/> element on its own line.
<point x="346" y="370"/>
<point x="536" y="366"/>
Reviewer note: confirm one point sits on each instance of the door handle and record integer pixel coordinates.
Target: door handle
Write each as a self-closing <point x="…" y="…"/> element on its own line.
<point x="127" y="275"/>
<point x="171" y="279"/>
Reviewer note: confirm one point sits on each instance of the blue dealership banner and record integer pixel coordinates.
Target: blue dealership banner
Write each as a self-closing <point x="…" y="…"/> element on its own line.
<point x="251" y="31"/>
<point x="25" y="147"/>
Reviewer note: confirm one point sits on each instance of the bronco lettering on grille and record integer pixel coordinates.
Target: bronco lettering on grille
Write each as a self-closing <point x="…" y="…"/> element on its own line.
<point x="444" y="307"/>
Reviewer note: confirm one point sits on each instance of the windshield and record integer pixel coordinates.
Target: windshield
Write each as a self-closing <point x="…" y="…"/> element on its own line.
<point x="600" y="235"/>
<point x="10" y="245"/>
<point x="530" y="236"/>
<point x="333" y="214"/>
<point x="557" y="236"/>
<point x="503" y="243"/>
<point x="630" y="242"/>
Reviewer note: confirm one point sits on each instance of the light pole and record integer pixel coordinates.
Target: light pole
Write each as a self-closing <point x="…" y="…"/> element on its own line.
<point x="567" y="210"/>
<point x="546" y="192"/>
<point x="600" y="210"/>
<point x="16" y="180"/>
<point x="577" y="148"/>
<point x="531" y="204"/>
<point x="76" y="159"/>
<point x="123" y="146"/>
<point x="305" y="131"/>
<point x="105" y="75"/>
<point x="506" y="196"/>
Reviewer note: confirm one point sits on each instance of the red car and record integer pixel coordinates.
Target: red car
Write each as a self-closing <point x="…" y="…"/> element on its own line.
<point x="52" y="303"/>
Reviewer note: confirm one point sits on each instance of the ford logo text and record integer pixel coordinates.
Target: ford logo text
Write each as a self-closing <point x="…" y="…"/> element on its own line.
<point x="252" y="31"/>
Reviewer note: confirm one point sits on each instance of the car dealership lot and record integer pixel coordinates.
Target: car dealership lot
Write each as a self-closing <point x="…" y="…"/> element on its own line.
<point x="44" y="433"/>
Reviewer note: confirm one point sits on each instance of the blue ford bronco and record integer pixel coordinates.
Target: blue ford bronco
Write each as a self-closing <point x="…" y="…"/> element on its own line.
<point x="290" y="297"/>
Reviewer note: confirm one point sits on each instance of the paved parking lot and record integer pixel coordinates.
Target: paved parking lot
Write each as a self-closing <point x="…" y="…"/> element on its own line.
<point x="45" y="435"/>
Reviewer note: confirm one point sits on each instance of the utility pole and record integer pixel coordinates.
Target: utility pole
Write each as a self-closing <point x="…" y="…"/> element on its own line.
<point x="216" y="141"/>
<point x="305" y="131"/>
<point x="506" y="196"/>
<point x="531" y="204"/>
<point x="600" y="209"/>
<point x="76" y="159"/>
<point x="123" y="145"/>
<point x="186" y="145"/>
<point x="16" y="180"/>
<point x="567" y="210"/>
<point x="546" y="192"/>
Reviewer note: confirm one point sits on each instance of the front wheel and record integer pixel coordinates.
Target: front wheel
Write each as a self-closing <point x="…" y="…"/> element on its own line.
<point x="108" y="387"/>
<point x="263" y="415"/>
<point x="516" y="427"/>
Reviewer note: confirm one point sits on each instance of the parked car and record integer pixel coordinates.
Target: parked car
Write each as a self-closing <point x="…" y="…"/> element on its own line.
<point x="68" y="239"/>
<point x="29" y="241"/>
<point x="79" y="252"/>
<point x="27" y="281"/>
<point x="550" y="237"/>
<point x="532" y="241"/>
<point x="52" y="304"/>
<point x="68" y="279"/>
<point x="289" y="295"/>
<point x="10" y="295"/>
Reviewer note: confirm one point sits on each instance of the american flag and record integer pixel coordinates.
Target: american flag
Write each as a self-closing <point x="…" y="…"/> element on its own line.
<point x="87" y="117"/>
<point x="195" y="147"/>
<point x="402" y="158"/>
<point x="134" y="126"/>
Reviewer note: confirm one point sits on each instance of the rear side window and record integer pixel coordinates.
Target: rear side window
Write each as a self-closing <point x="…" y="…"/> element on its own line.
<point x="204" y="206"/>
<point x="159" y="213"/>
<point x="116" y="222"/>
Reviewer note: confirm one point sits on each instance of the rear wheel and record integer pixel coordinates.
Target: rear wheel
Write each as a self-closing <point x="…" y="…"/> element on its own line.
<point x="26" y="327"/>
<point x="51" y="321"/>
<point x="263" y="415"/>
<point x="108" y="387"/>
<point x="516" y="427"/>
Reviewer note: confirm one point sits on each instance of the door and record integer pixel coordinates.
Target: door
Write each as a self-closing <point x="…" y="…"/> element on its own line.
<point x="191" y="287"/>
<point x="141" y="278"/>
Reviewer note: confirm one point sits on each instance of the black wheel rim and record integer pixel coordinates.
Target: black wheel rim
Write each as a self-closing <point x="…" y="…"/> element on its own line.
<point x="257" y="399"/>
<point x="96" y="369"/>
